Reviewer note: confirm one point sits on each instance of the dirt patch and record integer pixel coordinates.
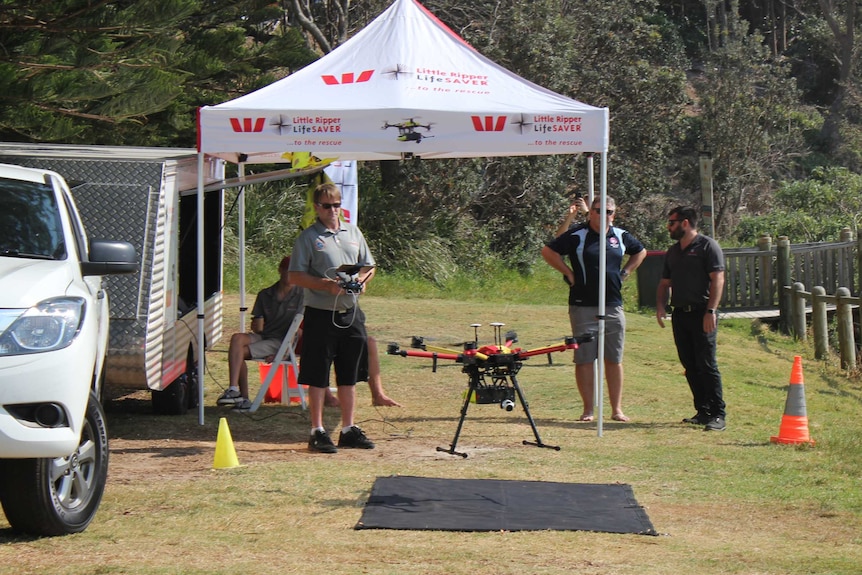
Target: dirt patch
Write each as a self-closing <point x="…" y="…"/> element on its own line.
<point x="178" y="448"/>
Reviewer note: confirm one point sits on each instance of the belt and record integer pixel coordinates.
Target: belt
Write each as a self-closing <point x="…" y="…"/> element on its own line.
<point x="690" y="308"/>
<point x="344" y="311"/>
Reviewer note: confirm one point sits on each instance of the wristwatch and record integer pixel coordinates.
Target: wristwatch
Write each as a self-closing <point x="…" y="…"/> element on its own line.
<point x="624" y="273"/>
<point x="711" y="311"/>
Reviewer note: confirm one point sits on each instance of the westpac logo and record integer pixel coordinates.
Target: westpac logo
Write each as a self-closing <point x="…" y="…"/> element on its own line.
<point x="247" y="124"/>
<point x="347" y="78"/>
<point x="489" y="123"/>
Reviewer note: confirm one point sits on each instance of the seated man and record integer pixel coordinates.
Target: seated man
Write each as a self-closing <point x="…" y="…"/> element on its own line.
<point x="272" y="314"/>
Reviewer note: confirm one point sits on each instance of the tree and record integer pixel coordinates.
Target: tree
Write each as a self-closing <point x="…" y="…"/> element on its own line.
<point x="133" y="72"/>
<point x="748" y="119"/>
<point x="70" y="68"/>
<point x="840" y="16"/>
<point x="798" y="211"/>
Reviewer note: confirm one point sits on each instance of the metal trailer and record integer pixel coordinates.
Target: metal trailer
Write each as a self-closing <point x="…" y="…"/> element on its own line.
<point x="147" y="196"/>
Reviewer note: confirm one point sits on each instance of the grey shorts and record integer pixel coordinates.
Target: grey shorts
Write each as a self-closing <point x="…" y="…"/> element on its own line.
<point x="260" y="348"/>
<point x="583" y="319"/>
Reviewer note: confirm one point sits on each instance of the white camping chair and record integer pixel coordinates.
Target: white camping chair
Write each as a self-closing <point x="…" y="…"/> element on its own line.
<point x="286" y="358"/>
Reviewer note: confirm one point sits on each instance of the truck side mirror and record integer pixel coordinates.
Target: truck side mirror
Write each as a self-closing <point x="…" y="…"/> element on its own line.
<point x="107" y="257"/>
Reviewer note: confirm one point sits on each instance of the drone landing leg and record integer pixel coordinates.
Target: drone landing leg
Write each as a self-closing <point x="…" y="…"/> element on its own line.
<point x="470" y="391"/>
<point x="526" y="406"/>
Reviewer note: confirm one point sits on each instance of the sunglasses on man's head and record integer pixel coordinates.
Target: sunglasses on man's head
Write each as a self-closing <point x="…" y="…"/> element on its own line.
<point x="335" y="205"/>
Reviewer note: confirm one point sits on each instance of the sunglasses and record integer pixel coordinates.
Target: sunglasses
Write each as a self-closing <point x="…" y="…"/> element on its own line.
<point x="336" y="205"/>
<point x="599" y="210"/>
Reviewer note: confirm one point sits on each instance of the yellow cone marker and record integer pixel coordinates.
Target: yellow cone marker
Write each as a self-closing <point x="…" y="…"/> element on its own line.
<point x="225" y="454"/>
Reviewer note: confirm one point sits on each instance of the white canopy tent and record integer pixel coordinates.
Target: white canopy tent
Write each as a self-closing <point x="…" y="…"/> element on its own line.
<point x="405" y="86"/>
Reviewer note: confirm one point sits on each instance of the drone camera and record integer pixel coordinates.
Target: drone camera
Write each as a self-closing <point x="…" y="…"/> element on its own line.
<point x="417" y="342"/>
<point x="502" y="395"/>
<point x="392" y="348"/>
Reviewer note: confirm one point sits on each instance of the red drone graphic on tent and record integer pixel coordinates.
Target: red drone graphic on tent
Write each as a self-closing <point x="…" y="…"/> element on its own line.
<point x="492" y="371"/>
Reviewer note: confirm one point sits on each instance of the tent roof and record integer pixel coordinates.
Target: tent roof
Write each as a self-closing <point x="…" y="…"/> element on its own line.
<point x="405" y="85"/>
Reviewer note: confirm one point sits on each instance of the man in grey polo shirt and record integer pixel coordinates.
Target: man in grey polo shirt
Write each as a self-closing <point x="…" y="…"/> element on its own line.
<point x="334" y="329"/>
<point x="271" y="316"/>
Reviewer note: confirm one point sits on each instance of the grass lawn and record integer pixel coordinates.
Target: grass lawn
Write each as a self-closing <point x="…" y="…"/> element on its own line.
<point x="724" y="502"/>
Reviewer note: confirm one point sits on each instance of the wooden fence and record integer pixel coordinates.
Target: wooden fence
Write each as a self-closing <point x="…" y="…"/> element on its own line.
<point x="753" y="275"/>
<point x="817" y="301"/>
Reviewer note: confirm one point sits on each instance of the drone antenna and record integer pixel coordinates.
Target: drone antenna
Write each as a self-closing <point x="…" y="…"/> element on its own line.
<point x="497" y="338"/>
<point x="476" y="327"/>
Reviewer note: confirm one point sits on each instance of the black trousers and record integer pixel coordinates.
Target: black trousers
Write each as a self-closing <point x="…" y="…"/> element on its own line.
<point x="696" y="351"/>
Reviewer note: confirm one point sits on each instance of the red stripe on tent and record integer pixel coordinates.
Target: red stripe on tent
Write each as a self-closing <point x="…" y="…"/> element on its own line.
<point x="347" y="78"/>
<point x="258" y="125"/>
<point x="443" y="26"/>
<point x="365" y="76"/>
<point x="501" y="124"/>
<point x="234" y="123"/>
<point x="329" y="80"/>
<point x="477" y="123"/>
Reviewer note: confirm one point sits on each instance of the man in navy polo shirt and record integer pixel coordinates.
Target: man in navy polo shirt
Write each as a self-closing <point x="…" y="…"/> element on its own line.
<point x="581" y="244"/>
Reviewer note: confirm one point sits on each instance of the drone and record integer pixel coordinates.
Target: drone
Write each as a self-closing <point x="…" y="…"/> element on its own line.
<point x="491" y="370"/>
<point x="407" y="130"/>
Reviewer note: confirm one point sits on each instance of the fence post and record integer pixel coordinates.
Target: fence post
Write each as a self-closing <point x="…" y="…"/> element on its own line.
<point x="818" y="322"/>
<point x="859" y="265"/>
<point x="845" y="329"/>
<point x="783" y="272"/>
<point x="767" y="287"/>
<point x="799" y="328"/>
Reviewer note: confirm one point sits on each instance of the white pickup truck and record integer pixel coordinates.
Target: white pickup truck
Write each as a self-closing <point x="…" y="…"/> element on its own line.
<point x="53" y="339"/>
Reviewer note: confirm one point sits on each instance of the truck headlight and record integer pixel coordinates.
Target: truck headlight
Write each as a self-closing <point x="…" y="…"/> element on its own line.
<point x="49" y="325"/>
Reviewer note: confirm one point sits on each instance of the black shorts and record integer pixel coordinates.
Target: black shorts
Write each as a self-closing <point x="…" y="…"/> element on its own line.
<point x="332" y="338"/>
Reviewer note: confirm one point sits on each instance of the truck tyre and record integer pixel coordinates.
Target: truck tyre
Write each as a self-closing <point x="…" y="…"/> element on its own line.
<point x="172" y="400"/>
<point x="58" y="496"/>
<point x="193" y="380"/>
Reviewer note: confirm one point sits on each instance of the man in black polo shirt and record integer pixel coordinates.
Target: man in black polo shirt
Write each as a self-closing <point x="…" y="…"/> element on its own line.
<point x="693" y="276"/>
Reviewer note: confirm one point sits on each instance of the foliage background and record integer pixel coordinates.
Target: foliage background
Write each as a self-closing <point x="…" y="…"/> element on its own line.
<point x="769" y="88"/>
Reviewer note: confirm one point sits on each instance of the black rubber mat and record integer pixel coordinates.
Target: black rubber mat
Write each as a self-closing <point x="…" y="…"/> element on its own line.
<point x="494" y="505"/>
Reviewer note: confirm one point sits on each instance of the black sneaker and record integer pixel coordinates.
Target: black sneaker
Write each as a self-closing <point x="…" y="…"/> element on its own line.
<point x="321" y="443"/>
<point x="697" y="419"/>
<point x="229" y="397"/>
<point x="242" y="405"/>
<point x="715" y="424"/>
<point x="355" y="438"/>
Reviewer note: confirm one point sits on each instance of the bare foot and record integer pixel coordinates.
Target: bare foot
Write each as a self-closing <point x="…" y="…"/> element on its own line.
<point x="586" y="417"/>
<point x="330" y="400"/>
<point x="384" y="401"/>
<point x="619" y="417"/>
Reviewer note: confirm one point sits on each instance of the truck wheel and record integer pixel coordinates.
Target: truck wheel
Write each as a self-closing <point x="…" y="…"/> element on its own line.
<point x="58" y="496"/>
<point x="193" y="380"/>
<point x="172" y="400"/>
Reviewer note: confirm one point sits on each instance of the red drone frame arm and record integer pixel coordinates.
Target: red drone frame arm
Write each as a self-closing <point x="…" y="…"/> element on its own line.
<point x="548" y="349"/>
<point x="423" y="353"/>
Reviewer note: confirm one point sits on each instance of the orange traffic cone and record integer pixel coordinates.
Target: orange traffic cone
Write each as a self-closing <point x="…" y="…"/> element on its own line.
<point x="225" y="454"/>
<point x="794" y="423"/>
